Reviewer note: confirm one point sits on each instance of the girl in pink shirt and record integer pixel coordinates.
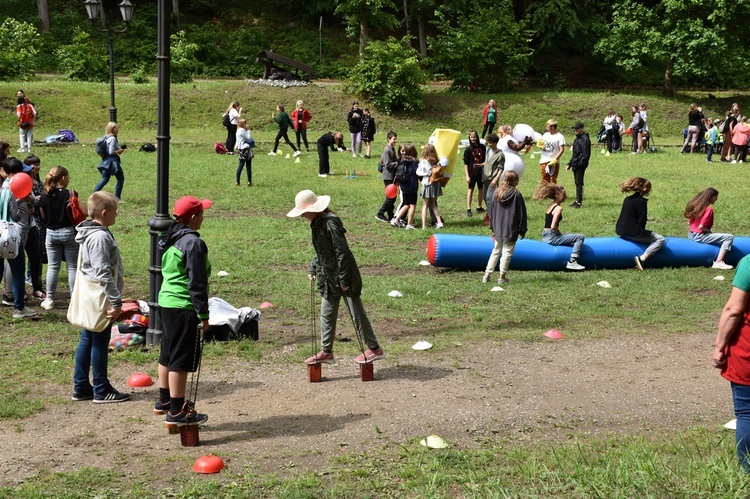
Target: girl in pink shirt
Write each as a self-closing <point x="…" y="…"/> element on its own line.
<point x="700" y="217"/>
<point x="740" y="136"/>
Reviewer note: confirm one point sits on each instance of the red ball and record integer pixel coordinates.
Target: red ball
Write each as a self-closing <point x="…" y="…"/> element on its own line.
<point x="20" y="185"/>
<point x="391" y="191"/>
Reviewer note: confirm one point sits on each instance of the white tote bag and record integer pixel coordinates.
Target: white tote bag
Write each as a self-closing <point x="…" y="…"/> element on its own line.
<point x="88" y="302"/>
<point x="10" y="232"/>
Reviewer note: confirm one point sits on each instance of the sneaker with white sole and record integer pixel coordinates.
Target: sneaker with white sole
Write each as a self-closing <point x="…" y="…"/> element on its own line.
<point x="48" y="304"/>
<point x="410" y="227"/>
<point x="638" y="263"/>
<point x="394" y="222"/>
<point x="439" y="225"/>
<point x="272" y="153"/>
<point x="721" y="266"/>
<point x="111" y="397"/>
<point x="574" y="266"/>
<point x="25" y="312"/>
<point x="296" y="153"/>
<point x="321" y="358"/>
<point x="322" y="175"/>
<point x="503" y="280"/>
<point x="382" y="218"/>
<point x="486" y="278"/>
<point x="184" y="418"/>
<point x="7" y="301"/>
<point x="370" y="356"/>
<point x="82" y="395"/>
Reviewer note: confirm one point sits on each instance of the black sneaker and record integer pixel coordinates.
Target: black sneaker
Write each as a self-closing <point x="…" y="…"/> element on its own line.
<point x="161" y="407"/>
<point x="468" y="213"/>
<point x="575" y="204"/>
<point x="111" y="397"/>
<point x="82" y="395"/>
<point x="7" y="300"/>
<point x="182" y="419"/>
<point x="480" y="210"/>
<point x="382" y="218"/>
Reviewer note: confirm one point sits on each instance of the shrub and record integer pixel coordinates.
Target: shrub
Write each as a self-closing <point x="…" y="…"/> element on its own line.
<point x="19" y="44"/>
<point x="389" y="76"/>
<point x="140" y="75"/>
<point x="80" y="60"/>
<point x="183" y="62"/>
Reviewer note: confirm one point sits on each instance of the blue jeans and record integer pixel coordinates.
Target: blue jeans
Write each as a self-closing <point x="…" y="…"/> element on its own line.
<point x="725" y="240"/>
<point x="741" y="399"/>
<point x="119" y="175"/>
<point x="18" y="275"/>
<point x="655" y="241"/>
<point x="575" y="240"/>
<point x="92" y="353"/>
<point x="59" y="243"/>
<point x="709" y="152"/>
<point x="249" y="165"/>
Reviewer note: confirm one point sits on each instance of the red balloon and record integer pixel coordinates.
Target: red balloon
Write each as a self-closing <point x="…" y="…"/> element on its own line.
<point x="629" y="131"/>
<point x="391" y="191"/>
<point x="20" y="185"/>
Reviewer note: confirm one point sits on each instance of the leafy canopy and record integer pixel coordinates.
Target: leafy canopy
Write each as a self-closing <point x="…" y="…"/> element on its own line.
<point x="19" y="45"/>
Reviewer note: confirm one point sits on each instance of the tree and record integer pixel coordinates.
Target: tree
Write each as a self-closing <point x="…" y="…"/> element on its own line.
<point x="19" y="45"/>
<point x="485" y="49"/>
<point x="688" y="39"/>
<point x="43" y="9"/>
<point x="359" y="14"/>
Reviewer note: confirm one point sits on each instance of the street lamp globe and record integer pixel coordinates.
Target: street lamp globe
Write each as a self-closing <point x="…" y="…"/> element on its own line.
<point x="126" y="9"/>
<point x="93" y="8"/>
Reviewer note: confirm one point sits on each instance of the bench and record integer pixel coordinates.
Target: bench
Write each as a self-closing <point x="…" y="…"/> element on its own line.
<point x="272" y="71"/>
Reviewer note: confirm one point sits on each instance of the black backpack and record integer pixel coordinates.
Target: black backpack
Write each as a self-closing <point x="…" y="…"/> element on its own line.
<point x="226" y="120"/>
<point x="401" y="175"/>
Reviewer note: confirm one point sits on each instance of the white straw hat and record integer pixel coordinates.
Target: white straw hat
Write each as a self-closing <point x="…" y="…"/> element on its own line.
<point x="306" y="201"/>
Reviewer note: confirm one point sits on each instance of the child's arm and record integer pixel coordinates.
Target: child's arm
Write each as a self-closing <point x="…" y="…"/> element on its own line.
<point x="195" y="267"/>
<point x="99" y="248"/>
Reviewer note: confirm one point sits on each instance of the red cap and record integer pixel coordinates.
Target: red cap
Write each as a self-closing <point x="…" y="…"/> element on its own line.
<point x="187" y="206"/>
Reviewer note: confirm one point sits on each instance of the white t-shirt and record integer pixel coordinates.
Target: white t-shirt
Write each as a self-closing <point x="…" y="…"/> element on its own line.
<point x="552" y="145"/>
<point x="233" y="115"/>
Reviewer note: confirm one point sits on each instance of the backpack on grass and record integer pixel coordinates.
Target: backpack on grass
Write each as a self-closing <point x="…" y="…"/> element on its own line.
<point x="219" y="148"/>
<point x="101" y="146"/>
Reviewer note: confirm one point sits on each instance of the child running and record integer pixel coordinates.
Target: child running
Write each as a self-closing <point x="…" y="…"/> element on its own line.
<point x="508" y="223"/>
<point x="336" y="271"/>
<point x="552" y="218"/>
<point x="700" y="217"/>
<point x="430" y="190"/>
<point x="631" y="225"/>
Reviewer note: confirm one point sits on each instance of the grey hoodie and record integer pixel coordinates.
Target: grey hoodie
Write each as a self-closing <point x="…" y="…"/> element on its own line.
<point x="100" y="259"/>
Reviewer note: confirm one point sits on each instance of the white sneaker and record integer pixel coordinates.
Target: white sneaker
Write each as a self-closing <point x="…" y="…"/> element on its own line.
<point x="721" y="266"/>
<point x="272" y="153"/>
<point x="48" y="304"/>
<point x="486" y="278"/>
<point x="394" y="222"/>
<point x="410" y="227"/>
<point x="21" y="150"/>
<point x="438" y="225"/>
<point x="323" y="175"/>
<point x="574" y="266"/>
<point x="26" y="312"/>
<point x="354" y="155"/>
<point x="296" y="153"/>
<point x="734" y="161"/>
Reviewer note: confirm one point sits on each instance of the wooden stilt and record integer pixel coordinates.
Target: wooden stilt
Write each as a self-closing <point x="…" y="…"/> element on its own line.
<point x="366" y="371"/>
<point x="314" y="373"/>
<point x="189" y="435"/>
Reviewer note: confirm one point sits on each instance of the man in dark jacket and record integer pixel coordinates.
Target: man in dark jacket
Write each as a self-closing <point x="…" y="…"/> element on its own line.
<point x="579" y="161"/>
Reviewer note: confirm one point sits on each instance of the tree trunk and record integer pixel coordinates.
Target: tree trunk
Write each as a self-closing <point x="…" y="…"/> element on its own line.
<point x="422" y="35"/>
<point x="406" y="18"/>
<point x="364" y="34"/>
<point x="669" y="79"/>
<point x="43" y="9"/>
<point x="176" y="12"/>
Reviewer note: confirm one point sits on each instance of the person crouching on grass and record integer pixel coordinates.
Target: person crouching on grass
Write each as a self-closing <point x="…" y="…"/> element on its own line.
<point x="336" y="271"/>
<point x="183" y="304"/>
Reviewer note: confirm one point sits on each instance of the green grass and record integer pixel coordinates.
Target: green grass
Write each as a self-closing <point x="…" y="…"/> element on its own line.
<point x="266" y="255"/>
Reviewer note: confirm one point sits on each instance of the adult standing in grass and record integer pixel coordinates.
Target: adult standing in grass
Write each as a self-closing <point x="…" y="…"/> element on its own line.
<point x="111" y="164"/>
<point x="245" y="152"/>
<point x="354" y="119"/>
<point x="333" y="141"/>
<point x="493" y="169"/>
<point x="554" y="147"/>
<point x="740" y="137"/>
<point x="643" y="134"/>
<point x="732" y="355"/>
<point x="284" y="121"/>
<point x="508" y="222"/>
<point x="695" y="122"/>
<point x="731" y="121"/>
<point x="26" y="117"/>
<point x="368" y="131"/>
<point x="300" y="118"/>
<point x="388" y="166"/>
<point x="234" y="111"/>
<point x="183" y="305"/>
<point x="631" y="225"/>
<point x="579" y="161"/>
<point x="61" y="233"/>
<point x="635" y="129"/>
<point x="611" y="128"/>
<point x="336" y="272"/>
<point x="700" y="217"/>
<point x="474" y="156"/>
<point x="489" y="118"/>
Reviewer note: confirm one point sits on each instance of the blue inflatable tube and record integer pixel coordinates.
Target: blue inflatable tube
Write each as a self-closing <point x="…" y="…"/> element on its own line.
<point x="472" y="252"/>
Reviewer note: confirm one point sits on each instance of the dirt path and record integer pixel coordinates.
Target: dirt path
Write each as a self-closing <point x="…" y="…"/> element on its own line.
<point x="269" y="418"/>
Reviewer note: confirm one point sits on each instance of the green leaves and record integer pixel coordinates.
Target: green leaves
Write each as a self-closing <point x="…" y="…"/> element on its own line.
<point x="19" y="45"/>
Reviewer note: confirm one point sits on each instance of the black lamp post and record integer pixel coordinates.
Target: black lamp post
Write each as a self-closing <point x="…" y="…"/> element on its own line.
<point x="161" y="220"/>
<point x="93" y="9"/>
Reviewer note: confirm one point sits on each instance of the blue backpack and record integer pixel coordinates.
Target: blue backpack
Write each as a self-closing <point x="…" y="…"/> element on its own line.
<point x="101" y="146"/>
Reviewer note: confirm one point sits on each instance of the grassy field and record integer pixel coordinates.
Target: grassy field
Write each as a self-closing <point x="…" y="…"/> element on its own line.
<point x="266" y="255"/>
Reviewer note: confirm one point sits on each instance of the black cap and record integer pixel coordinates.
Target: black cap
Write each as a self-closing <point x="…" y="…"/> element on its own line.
<point x="579" y="124"/>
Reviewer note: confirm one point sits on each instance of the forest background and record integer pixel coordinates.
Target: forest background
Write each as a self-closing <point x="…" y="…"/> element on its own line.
<point x="489" y="46"/>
